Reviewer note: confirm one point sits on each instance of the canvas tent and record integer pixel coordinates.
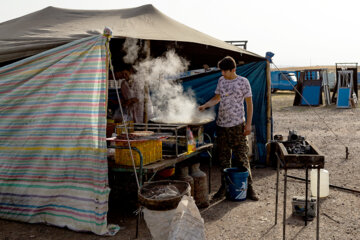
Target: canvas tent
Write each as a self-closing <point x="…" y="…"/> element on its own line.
<point x="52" y="27"/>
<point x="53" y="165"/>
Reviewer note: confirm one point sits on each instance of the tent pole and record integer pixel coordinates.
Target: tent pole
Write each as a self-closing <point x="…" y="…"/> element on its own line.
<point x="268" y="105"/>
<point x="107" y="80"/>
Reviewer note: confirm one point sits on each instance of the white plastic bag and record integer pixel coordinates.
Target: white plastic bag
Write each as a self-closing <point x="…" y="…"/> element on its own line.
<point x="187" y="223"/>
<point x="158" y="223"/>
<point x="182" y="223"/>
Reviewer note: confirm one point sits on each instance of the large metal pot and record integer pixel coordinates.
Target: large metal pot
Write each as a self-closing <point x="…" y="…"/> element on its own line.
<point x="192" y="123"/>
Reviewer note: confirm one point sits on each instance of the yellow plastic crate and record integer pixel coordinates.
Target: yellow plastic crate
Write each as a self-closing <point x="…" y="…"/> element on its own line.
<point x="150" y="149"/>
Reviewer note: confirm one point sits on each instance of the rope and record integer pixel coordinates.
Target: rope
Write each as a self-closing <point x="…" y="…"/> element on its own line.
<point x="312" y="109"/>
<point x="122" y="113"/>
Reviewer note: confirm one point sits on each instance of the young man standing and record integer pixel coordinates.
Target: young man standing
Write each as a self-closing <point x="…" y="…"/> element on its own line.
<point x="232" y="128"/>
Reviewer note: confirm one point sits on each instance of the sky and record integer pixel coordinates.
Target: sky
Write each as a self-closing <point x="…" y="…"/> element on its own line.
<point x="298" y="32"/>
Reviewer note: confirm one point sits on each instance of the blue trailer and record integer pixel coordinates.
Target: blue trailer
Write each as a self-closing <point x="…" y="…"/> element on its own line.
<point x="283" y="80"/>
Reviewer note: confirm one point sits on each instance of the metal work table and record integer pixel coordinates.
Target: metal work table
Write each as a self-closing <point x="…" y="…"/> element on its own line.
<point x="315" y="160"/>
<point x="154" y="167"/>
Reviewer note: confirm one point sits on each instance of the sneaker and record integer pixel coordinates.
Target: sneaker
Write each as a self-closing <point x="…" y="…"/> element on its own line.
<point x="219" y="195"/>
<point x="251" y="194"/>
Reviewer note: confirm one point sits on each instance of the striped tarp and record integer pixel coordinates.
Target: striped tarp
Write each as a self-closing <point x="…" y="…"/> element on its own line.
<point x="53" y="166"/>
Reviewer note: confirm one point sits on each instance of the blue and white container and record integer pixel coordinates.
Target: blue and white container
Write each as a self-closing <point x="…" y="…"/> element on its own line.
<point x="236" y="183"/>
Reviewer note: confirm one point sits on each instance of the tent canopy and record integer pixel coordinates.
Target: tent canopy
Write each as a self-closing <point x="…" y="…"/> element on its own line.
<point x="51" y="27"/>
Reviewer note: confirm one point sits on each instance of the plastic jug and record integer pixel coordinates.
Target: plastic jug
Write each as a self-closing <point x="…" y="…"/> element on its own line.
<point x="324" y="182"/>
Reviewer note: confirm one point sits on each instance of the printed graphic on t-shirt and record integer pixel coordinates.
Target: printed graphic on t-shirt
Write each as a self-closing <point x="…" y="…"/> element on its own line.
<point x="232" y="93"/>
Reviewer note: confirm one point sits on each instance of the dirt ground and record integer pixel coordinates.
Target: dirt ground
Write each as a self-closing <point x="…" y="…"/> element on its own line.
<point x="328" y="128"/>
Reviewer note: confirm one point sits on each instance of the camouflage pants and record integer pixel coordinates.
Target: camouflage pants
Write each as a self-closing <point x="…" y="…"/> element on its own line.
<point x="231" y="141"/>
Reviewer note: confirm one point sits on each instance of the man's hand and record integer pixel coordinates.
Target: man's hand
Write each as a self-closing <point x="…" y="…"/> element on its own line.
<point x="212" y="102"/>
<point x="247" y="129"/>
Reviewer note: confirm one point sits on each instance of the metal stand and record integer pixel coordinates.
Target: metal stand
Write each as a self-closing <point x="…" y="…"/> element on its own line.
<point x="306" y="194"/>
<point x="318" y="205"/>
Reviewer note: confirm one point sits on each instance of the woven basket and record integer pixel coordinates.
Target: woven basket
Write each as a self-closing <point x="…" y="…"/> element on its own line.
<point x="166" y="203"/>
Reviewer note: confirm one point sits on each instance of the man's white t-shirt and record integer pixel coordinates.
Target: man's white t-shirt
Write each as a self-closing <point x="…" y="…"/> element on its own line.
<point x="232" y="93"/>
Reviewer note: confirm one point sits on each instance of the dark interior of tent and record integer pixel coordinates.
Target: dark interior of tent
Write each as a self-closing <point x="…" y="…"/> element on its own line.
<point x="204" y="84"/>
<point x="196" y="54"/>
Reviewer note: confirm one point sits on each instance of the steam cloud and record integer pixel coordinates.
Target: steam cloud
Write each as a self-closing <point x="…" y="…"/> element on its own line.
<point x="131" y="48"/>
<point x="170" y="103"/>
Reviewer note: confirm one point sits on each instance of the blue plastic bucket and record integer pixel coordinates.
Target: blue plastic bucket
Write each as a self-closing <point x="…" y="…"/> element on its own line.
<point x="236" y="180"/>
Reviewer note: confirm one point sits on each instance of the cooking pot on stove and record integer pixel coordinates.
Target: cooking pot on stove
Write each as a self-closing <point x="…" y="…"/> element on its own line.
<point x="192" y="123"/>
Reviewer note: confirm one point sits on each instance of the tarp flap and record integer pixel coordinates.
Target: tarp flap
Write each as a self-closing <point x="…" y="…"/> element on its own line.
<point x="204" y="88"/>
<point x="53" y="166"/>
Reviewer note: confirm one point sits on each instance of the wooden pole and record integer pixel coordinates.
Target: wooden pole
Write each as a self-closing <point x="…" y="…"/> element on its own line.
<point x="107" y="60"/>
<point x="268" y="108"/>
<point x="268" y="105"/>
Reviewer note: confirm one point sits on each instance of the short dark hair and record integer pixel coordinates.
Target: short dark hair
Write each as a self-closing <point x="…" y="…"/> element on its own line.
<point x="227" y="63"/>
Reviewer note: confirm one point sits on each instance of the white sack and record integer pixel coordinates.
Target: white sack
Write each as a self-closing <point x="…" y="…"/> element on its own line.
<point x="158" y="222"/>
<point x="187" y="223"/>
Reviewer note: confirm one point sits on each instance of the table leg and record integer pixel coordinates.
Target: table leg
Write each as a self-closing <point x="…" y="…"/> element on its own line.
<point x="306" y="194"/>
<point x="210" y="166"/>
<point x="137" y="225"/>
<point x="284" y="216"/>
<point x="318" y="204"/>
<point x="277" y="187"/>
